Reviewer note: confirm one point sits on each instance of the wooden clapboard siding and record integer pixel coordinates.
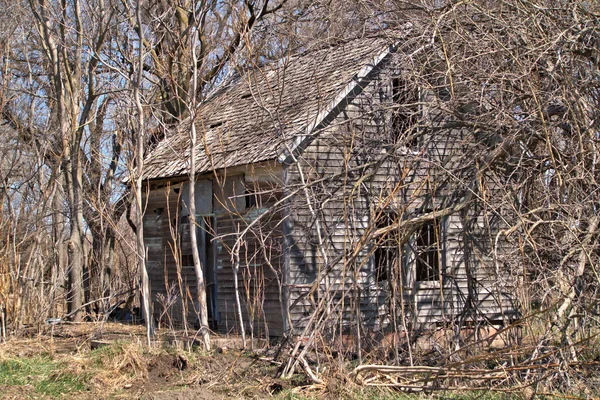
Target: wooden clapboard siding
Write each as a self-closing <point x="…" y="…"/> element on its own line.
<point x="260" y="256"/>
<point x="408" y="182"/>
<point x="230" y="216"/>
<point x="258" y="284"/>
<point x="338" y="185"/>
<point x="160" y="224"/>
<point x="342" y="206"/>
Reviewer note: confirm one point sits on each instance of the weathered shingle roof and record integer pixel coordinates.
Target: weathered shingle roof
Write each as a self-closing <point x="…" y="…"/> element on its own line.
<point x="260" y="114"/>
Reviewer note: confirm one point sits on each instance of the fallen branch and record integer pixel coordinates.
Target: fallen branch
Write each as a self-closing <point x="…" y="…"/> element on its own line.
<point x="425" y="378"/>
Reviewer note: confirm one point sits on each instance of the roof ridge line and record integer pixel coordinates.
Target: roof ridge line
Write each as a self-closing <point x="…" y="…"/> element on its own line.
<point x="354" y="87"/>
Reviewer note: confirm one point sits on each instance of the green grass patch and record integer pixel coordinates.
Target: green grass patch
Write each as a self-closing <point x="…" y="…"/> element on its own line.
<point x="46" y="376"/>
<point x="15" y="372"/>
<point x="356" y="393"/>
<point x="366" y="393"/>
<point x="104" y="354"/>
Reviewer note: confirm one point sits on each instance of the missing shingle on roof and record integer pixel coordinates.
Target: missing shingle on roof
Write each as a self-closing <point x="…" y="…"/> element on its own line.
<point x="246" y="95"/>
<point x="216" y="124"/>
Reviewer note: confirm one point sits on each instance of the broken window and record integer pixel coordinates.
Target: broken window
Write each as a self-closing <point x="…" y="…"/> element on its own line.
<point x="427" y="252"/>
<point x="405" y="114"/>
<point x="187" y="260"/>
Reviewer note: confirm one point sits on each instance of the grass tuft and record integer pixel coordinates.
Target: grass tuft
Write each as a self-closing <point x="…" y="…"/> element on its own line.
<point x="47" y="377"/>
<point x="60" y="384"/>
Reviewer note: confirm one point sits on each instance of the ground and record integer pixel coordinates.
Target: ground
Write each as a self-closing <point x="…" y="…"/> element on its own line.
<point x="112" y="361"/>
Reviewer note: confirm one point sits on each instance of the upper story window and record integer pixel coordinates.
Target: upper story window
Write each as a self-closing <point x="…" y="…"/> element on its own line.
<point x="251" y="198"/>
<point x="405" y="115"/>
<point x="427" y="252"/>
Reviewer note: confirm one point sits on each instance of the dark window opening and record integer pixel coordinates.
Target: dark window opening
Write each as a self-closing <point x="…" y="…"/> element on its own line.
<point x="187" y="260"/>
<point x="251" y="198"/>
<point x="406" y="113"/>
<point x="428" y="252"/>
<point x="387" y="254"/>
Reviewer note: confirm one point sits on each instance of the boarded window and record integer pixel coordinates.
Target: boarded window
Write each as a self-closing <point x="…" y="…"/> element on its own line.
<point x="405" y="116"/>
<point x="427" y="252"/>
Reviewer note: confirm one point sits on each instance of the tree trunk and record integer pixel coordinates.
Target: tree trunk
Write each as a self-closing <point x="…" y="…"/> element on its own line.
<point x="198" y="267"/>
<point x="141" y="250"/>
<point x="75" y="245"/>
<point x="75" y="293"/>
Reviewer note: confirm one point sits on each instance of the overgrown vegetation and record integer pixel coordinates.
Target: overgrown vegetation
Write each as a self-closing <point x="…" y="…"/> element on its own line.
<point x="88" y="87"/>
<point x="65" y="367"/>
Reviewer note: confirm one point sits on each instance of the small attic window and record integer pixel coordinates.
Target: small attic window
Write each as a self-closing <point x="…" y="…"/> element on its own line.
<point x="406" y="112"/>
<point x="251" y="198"/>
<point x="444" y="93"/>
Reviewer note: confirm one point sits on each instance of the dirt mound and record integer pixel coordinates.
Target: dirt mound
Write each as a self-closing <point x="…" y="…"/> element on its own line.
<point x="214" y="376"/>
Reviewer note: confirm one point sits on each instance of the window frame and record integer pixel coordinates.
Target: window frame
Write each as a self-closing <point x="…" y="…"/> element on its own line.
<point x="440" y="248"/>
<point x="428" y="250"/>
<point x="408" y="254"/>
<point x="250" y="198"/>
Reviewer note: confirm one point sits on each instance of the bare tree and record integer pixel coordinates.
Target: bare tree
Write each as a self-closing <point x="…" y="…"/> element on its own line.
<point x="511" y="87"/>
<point x="61" y="105"/>
<point x="140" y="141"/>
<point x="195" y="46"/>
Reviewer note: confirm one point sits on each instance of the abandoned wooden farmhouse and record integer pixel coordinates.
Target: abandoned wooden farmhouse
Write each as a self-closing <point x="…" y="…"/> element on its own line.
<point x="327" y="191"/>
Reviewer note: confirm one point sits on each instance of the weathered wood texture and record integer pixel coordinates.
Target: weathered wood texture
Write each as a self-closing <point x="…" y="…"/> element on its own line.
<point x="353" y="173"/>
<point x="239" y="202"/>
<point x="169" y="278"/>
<point x="242" y="214"/>
<point x="253" y="114"/>
<point x="311" y="248"/>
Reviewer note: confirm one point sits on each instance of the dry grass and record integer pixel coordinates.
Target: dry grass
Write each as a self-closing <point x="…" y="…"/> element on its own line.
<point x="118" y="365"/>
<point x="62" y="365"/>
<point x="65" y="351"/>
